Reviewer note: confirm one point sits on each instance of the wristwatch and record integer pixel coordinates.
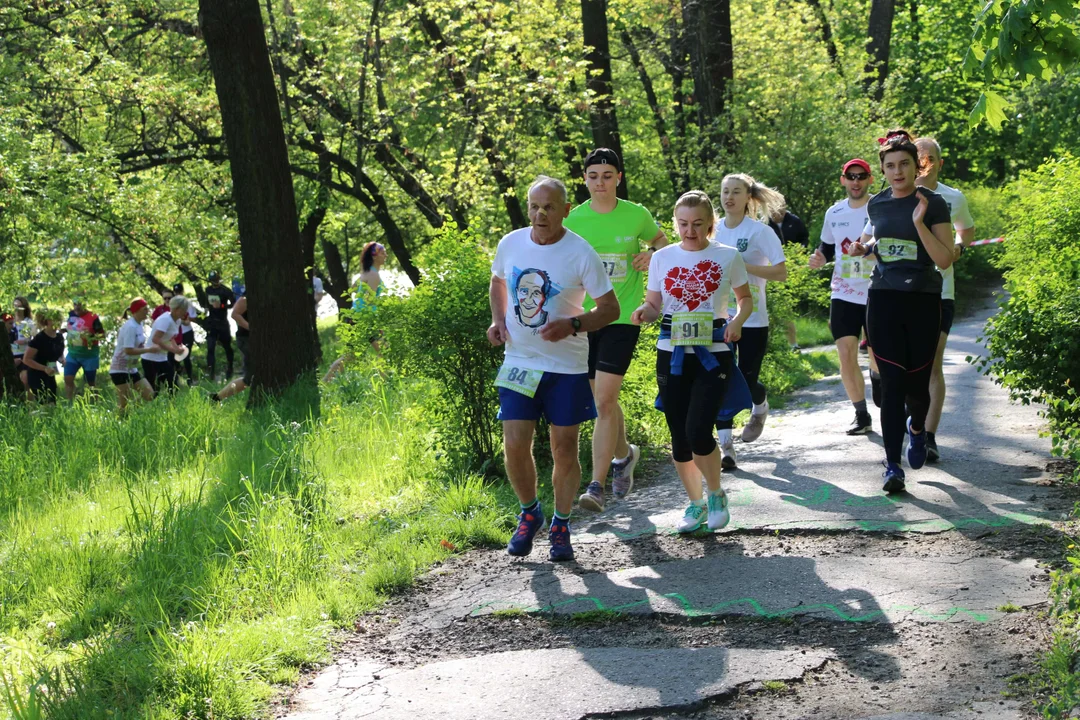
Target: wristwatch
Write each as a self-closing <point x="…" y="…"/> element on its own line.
<point x="576" y="323"/>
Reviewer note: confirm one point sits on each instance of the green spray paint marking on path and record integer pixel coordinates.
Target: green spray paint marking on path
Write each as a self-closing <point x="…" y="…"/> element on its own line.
<point x="690" y="611"/>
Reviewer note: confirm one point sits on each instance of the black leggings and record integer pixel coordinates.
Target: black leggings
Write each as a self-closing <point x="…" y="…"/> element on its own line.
<point x="750" y="350"/>
<point x="903" y="329"/>
<point x="189" y="342"/>
<point x="691" y="401"/>
<point x="215" y="335"/>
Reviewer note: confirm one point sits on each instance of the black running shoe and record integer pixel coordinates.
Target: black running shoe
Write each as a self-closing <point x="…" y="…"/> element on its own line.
<point x="862" y="425"/>
<point x="932" y="454"/>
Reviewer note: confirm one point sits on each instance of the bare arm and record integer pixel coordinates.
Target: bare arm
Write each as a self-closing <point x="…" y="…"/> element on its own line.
<point x="30" y="362"/>
<point x="605" y="313"/>
<point x="642" y="260"/>
<point x="165" y="343"/>
<point x="238" y="313"/>
<point x="496" y="332"/>
<point x="774" y="273"/>
<point x="649" y="310"/>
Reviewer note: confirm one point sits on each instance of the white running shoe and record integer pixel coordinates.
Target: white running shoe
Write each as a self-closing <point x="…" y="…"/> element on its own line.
<point x="718" y="510"/>
<point x="693" y="518"/>
<point x="727" y="455"/>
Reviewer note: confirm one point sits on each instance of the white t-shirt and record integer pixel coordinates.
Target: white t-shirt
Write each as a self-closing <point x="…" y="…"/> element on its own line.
<point x="167" y="325"/>
<point x="851" y="275"/>
<point x="547" y="282"/>
<point x="696" y="281"/>
<point x="131" y="335"/>
<point x="961" y="220"/>
<point x="759" y="246"/>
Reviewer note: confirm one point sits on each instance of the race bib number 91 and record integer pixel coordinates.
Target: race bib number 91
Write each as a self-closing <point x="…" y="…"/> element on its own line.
<point x="519" y="380"/>
<point x="891" y="249"/>
<point x="615" y="264"/>
<point x="691" y="328"/>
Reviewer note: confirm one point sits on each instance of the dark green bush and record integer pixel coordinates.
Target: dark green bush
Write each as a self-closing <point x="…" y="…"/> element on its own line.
<point x="437" y="332"/>
<point x="1032" y="342"/>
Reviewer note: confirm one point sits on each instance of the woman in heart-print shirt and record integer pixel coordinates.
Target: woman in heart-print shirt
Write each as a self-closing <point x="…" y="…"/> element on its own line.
<point x="688" y="290"/>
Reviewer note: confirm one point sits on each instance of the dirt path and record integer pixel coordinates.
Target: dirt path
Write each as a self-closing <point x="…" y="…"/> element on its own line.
<point x="823" y="599"/>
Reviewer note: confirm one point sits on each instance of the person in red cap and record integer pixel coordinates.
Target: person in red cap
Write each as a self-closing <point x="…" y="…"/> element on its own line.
<point x="130" y="345"/>
<point x="844" y="223"/>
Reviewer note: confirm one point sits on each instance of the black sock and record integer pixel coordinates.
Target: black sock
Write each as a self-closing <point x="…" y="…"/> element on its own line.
<point x="860" y="407"/>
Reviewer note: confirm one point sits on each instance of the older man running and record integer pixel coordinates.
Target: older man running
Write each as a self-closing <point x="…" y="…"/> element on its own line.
<point x="539" y="280"/>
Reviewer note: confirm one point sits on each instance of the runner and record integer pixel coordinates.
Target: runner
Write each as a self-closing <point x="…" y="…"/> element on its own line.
<point x="540" y="276"/>
<point x="617" y="230"/>
<point x="930" y="157"/>
<point x="908" y="231"/>
<point x="187" y="333"/>
<point x="243" y="332"/>
<point x="42" y="354"/>
<point x="220" y="299"/>
<point x="844" y="223"/>
<point x="130" y="344"/>
<point x="369" y="286"/>
<point x="744" y="197"/>
<point x="84" y="336"/>
<point x="160" y="373"/>
<point x="689" y="284"/>
<point x="24" y="324"/>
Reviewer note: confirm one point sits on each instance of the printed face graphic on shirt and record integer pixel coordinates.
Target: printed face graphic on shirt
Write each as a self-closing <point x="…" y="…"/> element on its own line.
<point x="532" y="288"/>
<point x="694" y="286"/>
<point x="742" y="244"/>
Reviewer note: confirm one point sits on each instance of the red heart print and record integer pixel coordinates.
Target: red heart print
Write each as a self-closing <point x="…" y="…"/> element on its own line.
<point x="694" y="286"/>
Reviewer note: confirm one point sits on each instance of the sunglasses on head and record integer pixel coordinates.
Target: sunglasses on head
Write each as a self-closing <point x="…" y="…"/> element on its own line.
<point x="857" y="177"/>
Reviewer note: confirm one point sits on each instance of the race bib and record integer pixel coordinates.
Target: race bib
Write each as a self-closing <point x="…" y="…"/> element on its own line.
<point x="855" y="268"/>
<point x="891" y="249"/>
<point x="733" y="303"/>
<point x="615" y="264"/>
<point x="519" y="380"/>
<point x="691" y="328"/>
<point x="215" y="301"/>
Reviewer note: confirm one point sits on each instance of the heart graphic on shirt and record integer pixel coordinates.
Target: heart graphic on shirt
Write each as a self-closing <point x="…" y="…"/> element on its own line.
<point x="694" y="286"/>
<point x="844" y="245"/>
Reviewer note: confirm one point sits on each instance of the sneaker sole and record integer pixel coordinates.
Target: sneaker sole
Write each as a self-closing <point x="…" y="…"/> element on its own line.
<point x="728" y="464"/>
<point x="893" y="485"/>
<point x="588" y="502"/>
<point x="860" y="431"/>
<point x="687" y="531"/>
<point x="567" y="558"/>
<point x="721" y="526"/>
<point x="751" y="437"/>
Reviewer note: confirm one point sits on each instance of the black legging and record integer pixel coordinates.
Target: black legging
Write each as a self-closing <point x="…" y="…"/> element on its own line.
<point x="750" y="351"/>
<point x="189" y="341"/>
<point x="903" y="329"/>
<point x="691" y="401"/>
<point x="214" y="335"/>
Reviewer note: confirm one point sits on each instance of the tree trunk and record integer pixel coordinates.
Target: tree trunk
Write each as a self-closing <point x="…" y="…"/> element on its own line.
<point x="602" y="118"/>
<point x="337" y="280"/>
<point x="877" y="46"/>
<point x="707" y="28"/>
<point x="827" y="35"/>
<point x="654" y="104"/>
<point x="281" y="310"/>
<point x="11" y="386"/>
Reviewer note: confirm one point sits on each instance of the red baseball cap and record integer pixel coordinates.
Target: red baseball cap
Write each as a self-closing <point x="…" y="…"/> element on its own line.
<point x="136" y="305"/>
<point x="859" y="162"/>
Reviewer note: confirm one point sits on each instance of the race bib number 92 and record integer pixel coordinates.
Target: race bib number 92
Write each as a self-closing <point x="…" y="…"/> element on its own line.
<point x="892" y="249"/>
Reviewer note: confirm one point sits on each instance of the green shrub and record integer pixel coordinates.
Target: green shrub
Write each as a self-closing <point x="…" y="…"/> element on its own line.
<point x="981" y="265"/>
<point x="437" y="332"/>
<point x="1031" y="344"/>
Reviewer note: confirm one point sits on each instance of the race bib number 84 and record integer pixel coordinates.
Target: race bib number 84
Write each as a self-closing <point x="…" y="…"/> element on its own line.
<point x="891" y="249"/>
<point x="691" y="328"/>
<point x="520" y="380"/>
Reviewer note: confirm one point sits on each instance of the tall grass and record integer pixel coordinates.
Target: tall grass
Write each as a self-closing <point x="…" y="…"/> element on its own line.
<point x="177" y="562"/>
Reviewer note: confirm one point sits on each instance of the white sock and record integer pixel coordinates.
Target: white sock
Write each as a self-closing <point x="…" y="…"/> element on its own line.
<point x="723" y="436"/>
<point x="760" y="409"/>
<point x="699" y="503"/>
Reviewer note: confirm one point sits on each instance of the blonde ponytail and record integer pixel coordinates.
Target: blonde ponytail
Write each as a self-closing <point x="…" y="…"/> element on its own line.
<point x="764" y="201"/>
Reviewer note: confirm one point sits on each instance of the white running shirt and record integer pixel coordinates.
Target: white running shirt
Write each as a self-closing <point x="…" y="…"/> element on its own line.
<point x="696" y="281"/>
<point x="131" y="335"/>
<point x="167" y="325"/>
<point x="961" y="220"/>
<point x="759" y="245"/>
<point x="543" y="283"/>
<point x="851" y="276"/>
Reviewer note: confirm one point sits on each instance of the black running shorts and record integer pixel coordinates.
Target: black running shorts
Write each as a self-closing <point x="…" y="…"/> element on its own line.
<point x="612" y="348"/>
<point x="125" y="378"/>
<point x="846" y="319"/>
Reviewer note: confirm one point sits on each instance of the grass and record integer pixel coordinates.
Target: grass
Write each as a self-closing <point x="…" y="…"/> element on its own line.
<point x="1009" y="608"/>
<point x="813" y="331"/>
<point x="775" y="687"/>
<point x="181" y="561"/>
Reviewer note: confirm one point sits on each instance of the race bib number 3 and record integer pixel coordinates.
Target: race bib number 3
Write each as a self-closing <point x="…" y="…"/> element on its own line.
<point x="855" y="268"/>
<point x="891" y="249"/>
<point x="615" y="264"/>
<point x="519" y="380"/>
<point x="691" y="328"/>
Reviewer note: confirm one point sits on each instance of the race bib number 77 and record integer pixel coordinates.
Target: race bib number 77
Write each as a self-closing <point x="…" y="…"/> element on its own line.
<point x="520" y="380"/>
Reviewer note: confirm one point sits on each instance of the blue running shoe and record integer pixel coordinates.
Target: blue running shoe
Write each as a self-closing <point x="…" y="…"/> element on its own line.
<point x="916" y="448"/>
<point x="560" y="541"/>
<point x="894" y="478"/>
<point x="530" y="522"/>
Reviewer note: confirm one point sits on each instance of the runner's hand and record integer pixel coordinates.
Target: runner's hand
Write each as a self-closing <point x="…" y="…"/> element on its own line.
<point x="556" y="330"/>
<point x="920" y="210"/>
<point x="645" y="313"/>
<point x="817" y="259"/>
<point x="50" y="371"/>
<point x="733" y="332"/>
<point x="641" y="261"/>
<point x="956" y="252"/>
<point x="497" y="333"/>
<point x="857" y="249"/>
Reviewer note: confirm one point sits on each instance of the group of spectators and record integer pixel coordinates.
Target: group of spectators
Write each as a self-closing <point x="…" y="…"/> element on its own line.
<point x="43" y="343"/>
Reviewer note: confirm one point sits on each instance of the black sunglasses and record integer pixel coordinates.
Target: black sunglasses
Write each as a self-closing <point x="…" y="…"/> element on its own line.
<point x="857" y="178"/>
